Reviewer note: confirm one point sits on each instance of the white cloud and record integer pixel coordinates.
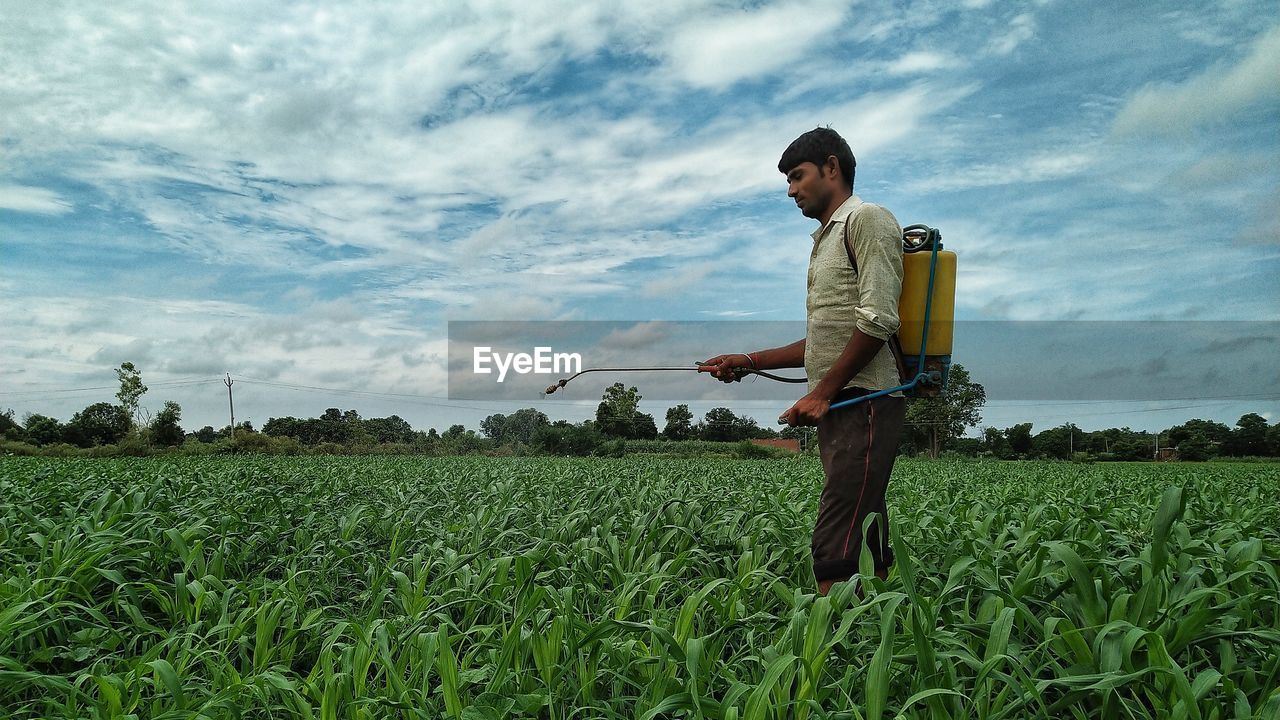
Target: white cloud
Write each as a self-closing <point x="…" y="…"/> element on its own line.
<point x="1051" y="165"/>
<point x="643" y="335"/>
<point x="922" y="61"/>
<point x="732" y="313"/>
<point x="1213" y="96"/>
<point x="292" y="141"/>
<point x="678" y="279"/>
<point x="28" y="199"/>
<point x="1019" y="30"/>
<point x="716" y="52"/>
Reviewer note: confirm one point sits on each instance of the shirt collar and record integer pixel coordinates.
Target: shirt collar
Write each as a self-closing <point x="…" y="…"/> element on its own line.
<point x="840" y="215"/>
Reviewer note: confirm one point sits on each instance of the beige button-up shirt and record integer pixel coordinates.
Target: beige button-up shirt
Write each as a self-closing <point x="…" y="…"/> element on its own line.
<point x="840" y="299"/>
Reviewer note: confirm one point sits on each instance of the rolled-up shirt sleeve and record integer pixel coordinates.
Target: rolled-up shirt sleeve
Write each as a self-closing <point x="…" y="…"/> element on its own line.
<point x="876" y="240"/>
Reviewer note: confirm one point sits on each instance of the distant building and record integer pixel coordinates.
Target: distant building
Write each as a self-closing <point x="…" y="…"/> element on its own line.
<point x="1167" y="453"/>
<point x="792" y="444"/>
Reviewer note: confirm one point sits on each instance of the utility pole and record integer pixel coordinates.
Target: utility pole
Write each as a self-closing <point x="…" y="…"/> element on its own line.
<point x="231" y="404"/>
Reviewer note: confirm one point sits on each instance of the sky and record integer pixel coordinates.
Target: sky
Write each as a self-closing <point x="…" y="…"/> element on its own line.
<point x="302" y="195"/>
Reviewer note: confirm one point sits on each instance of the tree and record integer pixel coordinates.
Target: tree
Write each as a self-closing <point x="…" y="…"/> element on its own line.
<point x="165" y="428"/>
<point x="679" y="423"/>
<point x="493" y="426"/>
<point x="967" y="446"/>
<point x="131" y="388"/>
<point x="934" y="422"/>
<point x="1131" y="445"/>
<point x="1019" y="437"/>
<point x="720" y="425"/>
<point x="616" y="415"/>
<point x="747" y="428"/>
<point x="1249" y="437"/>
<point x="521" y="427"/>
<point x="995" y="442"/>
<point x="1273" y="439"/>
<point x="1215" y="432"/>
<point x="393" y="429"/>
<point x="644" y="428"/>
<point x="562" y="438"/>
<point x="1057" y="442"/>
<point x="304" y="431"/>
<point x="336" y="426"/>
<point x="43" y="430"/>
<point x="9" y="428"/>
<point x="464" y="442"/>
<point x="1197" y="446"/>
<point x="1096" y="442"/>
<point x="99" y="424"/>
<point x="206" y="434"/>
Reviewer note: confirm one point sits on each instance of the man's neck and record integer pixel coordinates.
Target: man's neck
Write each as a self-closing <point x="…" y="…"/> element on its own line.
<point x="836" y="202"/>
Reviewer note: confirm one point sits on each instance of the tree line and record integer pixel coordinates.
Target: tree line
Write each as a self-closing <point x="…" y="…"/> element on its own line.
<point x="935" y="426"/>
<point x="1192" y="440"/>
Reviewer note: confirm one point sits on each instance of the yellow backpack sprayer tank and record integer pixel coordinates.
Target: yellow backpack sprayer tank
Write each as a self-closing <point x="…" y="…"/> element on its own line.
<point x="926" y="309"/>
<point x="926" y="315"/>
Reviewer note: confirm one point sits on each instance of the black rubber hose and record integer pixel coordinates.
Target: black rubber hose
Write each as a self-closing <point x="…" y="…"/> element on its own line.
<point x="745" y="371"/>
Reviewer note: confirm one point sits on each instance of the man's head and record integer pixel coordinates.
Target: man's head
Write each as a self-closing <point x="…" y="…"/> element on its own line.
<point x="819" y="167"/>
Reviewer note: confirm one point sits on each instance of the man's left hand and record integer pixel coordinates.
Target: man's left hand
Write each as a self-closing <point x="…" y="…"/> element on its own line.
<point x="807" y="411"/>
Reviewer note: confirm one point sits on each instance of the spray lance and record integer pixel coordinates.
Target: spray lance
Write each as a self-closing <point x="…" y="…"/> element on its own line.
<point x="926" y="311"/>
<point x="742" y="371"/>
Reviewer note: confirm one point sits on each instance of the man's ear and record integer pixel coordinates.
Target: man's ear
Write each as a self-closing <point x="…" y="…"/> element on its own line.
<point x="832" y="166"/>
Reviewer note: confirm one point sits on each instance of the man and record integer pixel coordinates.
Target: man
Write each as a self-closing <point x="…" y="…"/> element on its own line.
<point x="855" y="278"/>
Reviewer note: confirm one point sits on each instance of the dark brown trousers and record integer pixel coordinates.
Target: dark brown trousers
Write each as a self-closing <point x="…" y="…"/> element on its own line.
<point x="858" y="445"/>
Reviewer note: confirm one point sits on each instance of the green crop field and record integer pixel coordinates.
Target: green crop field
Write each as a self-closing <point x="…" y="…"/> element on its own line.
<point x="630" y="588"/>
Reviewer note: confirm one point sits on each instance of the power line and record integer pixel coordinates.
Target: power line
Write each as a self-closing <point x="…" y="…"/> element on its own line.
<point x="164" y="383"/>
<point x="425" y="400"/>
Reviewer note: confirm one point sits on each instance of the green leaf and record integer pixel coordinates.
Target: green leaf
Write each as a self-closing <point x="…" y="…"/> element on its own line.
<point x="112" y="575"/>
<point x="758" y="702"/>
<point x="1172" y="505"/>
<point x="169" y="677"/>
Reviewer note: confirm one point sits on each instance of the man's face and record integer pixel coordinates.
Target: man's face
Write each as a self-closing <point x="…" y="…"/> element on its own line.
<point x="810" y="187"/>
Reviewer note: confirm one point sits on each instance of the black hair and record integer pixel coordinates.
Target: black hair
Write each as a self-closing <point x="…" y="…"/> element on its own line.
<point x="816" y="146"/>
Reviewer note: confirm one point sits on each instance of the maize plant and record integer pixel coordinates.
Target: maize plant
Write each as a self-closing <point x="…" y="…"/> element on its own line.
<point x="640" y="587"/>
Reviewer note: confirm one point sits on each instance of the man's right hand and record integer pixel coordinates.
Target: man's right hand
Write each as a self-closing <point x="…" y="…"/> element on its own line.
<point x="727" y="368"/>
